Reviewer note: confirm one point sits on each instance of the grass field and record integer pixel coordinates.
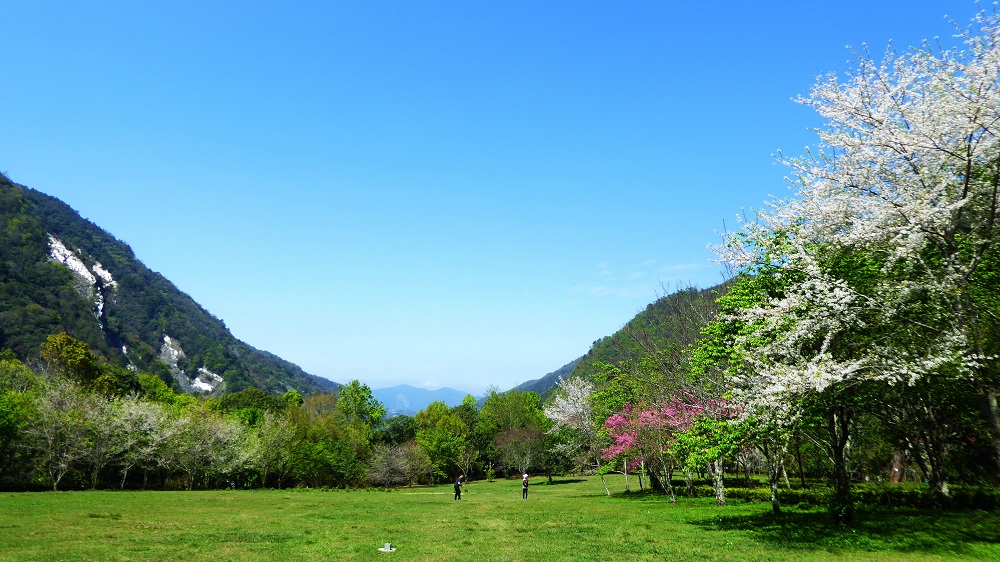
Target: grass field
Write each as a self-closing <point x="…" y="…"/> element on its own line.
<point x="570" y="520"/>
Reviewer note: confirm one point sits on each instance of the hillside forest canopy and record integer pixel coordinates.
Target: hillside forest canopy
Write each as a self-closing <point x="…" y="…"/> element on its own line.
<point x="123" y="320"/>
<point x="854" y="349"/>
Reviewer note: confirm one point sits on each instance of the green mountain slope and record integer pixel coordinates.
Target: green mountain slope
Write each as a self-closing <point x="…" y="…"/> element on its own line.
<point x="62" y="273"/>
<point x="545" y="385"/>
<point x="661" y="333"/>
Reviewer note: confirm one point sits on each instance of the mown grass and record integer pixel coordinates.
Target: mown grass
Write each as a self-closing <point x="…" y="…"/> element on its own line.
<point x="573" y="520"/>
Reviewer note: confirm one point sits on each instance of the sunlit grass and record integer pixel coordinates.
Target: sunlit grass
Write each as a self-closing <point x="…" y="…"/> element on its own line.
<point x="572" y="520"/>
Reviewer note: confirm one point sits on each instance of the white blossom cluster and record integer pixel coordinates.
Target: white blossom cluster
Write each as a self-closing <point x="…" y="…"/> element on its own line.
<point x="571" y="406"/>
<point x="907" y="167"/>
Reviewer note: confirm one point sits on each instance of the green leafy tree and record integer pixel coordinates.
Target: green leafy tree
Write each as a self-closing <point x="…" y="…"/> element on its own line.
<point x="417" y="463"/>
<point x="292" y="399"/>
<point x="711" y="443"/>
<point x="271" y="446"/>
<point x="362" y="415"/>
<point x="399" y="430"/>
<point x="442" y="433"/>
<point x="153" y="388"/>
<point x="511" y="427"/>
<point x="18" y="389"/>
<point x="17" y="413"/>
<point x="468" y="410"/>
<point x="71" y="358"/>
<point x="345" y="466"/>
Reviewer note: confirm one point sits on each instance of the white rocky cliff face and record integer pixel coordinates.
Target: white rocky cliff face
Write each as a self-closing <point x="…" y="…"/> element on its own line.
<point x="205" y="381"/>
<point x="98" y="286"/>
<point x="95" y="283"/>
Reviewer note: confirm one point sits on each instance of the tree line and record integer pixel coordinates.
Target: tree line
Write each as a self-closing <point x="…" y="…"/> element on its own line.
<point x="72" y="420"/>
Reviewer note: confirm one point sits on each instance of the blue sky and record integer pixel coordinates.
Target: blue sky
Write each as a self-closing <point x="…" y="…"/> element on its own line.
<point x="452" y="194"/>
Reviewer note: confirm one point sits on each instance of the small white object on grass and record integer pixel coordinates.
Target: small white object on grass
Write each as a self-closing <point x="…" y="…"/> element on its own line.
<point x="387" y="548"/>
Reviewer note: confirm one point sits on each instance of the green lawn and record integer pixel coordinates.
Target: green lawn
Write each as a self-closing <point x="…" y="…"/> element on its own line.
<point x="571" y="520"/>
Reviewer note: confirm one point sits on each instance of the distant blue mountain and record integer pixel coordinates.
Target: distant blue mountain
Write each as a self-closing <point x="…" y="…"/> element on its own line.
<point x="406" y="399"/>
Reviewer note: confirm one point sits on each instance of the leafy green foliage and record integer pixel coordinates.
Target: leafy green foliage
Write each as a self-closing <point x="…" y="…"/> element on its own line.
<point x="510" y="429"/>
<point x="71" y="358"/>
<point x="399" y="430"/>
<point x="442" y="433"/>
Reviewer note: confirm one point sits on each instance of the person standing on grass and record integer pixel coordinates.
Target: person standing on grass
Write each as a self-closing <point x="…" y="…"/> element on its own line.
<point x="524" y="487"/>
<point x="458" y="486"/>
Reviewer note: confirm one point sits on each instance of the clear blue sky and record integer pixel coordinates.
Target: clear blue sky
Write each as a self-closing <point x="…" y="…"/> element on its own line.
<point x="440" y="193"/>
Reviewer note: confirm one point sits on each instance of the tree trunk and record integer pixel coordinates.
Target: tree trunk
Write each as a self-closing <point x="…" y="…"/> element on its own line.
<point x="898" y="473"/>
<point x="945" y="492"/>
<point x="716" y="469"/>
<point x="798" y="456"/>
<point x="992" y="413"/>
<point x="838" y="424"/>
<point x="664" y="482"/>
<point x="775" y="467"/>
<point x="606" y="490"/>
<point x="670" y="485"/>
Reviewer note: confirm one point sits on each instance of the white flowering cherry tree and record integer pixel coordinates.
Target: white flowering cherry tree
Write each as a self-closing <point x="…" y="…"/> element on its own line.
<point x="888" y="249"/>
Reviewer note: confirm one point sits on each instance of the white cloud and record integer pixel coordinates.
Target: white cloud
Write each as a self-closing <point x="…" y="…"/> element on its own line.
<point x="645" y="280"/>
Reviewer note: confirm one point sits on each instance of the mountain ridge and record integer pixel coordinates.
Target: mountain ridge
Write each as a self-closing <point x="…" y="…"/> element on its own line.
<point x="408" y="399"/>
<point x="60" y="272"/>
<point x="660" y="332"/>
<point x="544" y="385"/>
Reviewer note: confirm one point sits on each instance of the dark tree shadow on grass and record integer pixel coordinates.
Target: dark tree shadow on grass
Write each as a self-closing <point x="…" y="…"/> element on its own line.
<point x="874" y="529"/>
<point x="558" y="481"/>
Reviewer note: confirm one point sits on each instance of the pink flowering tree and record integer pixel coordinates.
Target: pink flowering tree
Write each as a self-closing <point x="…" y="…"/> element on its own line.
<point x="624" y="443"/>
<point x="672" y="434"/>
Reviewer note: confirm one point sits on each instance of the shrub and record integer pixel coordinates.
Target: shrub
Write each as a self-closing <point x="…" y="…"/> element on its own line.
<point x="889" y="495"/>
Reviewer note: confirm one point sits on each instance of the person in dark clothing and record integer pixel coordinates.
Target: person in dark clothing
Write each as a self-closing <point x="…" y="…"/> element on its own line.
<point x="458" y="486"/>
<point x="524" y="487"/>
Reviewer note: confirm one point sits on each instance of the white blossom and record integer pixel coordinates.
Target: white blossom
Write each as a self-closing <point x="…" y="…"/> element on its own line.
<point x="908" y="163"/>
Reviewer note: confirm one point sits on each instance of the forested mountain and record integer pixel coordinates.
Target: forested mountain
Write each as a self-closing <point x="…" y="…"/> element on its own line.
<point x="546" y="384"/>
<point x="659" y="334"/>
<point x="62" y="273"/>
